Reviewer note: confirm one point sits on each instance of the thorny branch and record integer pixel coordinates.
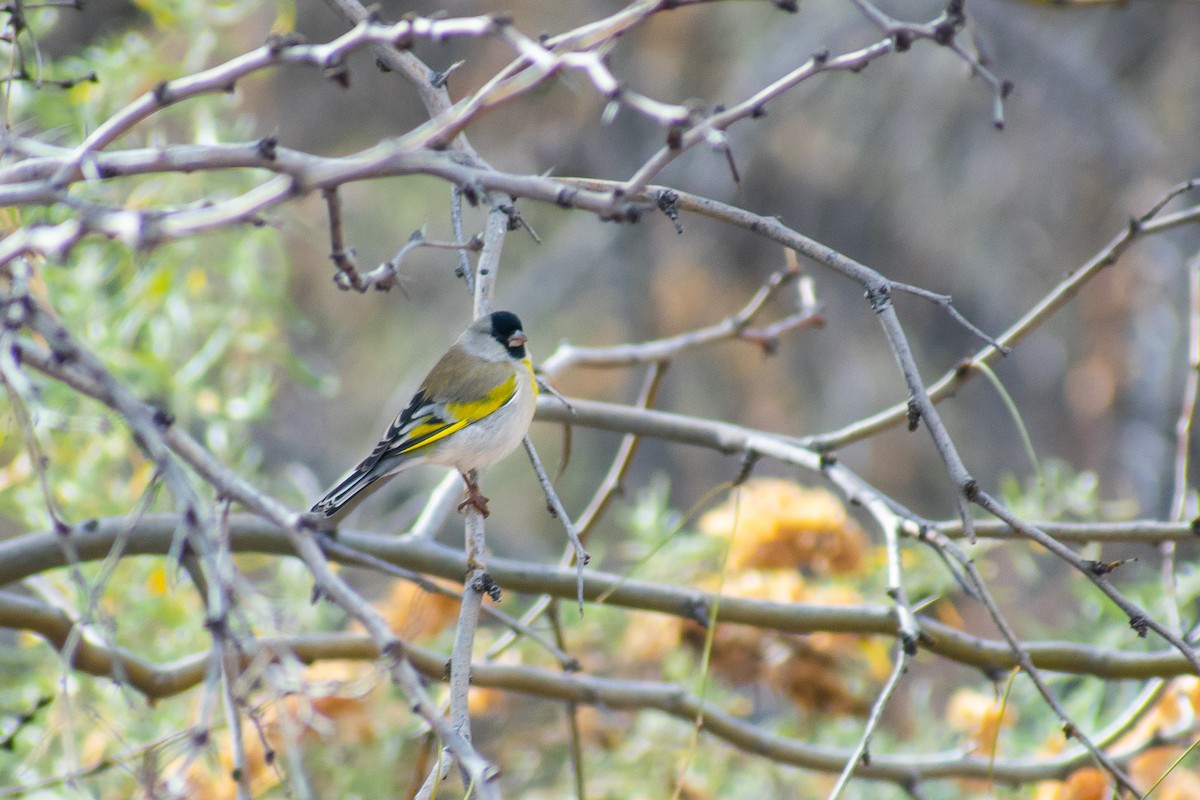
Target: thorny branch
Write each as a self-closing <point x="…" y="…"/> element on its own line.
<point x="566" y="687"/>
<point x="605" y="494"/>
<point x="736" y="326"/>
<point x="1150" y="223"/>
<point x="37" y="174"/>
<point x="32" y="553"/>
<point x="97" y="383"/>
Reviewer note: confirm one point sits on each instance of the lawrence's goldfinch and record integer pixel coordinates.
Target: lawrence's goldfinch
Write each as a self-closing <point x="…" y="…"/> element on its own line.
<point x="472" y="409"/>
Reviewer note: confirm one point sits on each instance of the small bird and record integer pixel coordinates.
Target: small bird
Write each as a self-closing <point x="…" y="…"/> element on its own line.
<point x="472" y="409"/>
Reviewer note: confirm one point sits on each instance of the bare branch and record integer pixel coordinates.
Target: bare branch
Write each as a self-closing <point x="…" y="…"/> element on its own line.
<point x="279" y="51"/>
<point x="98" y="385"/>
<point x="32" y="553"/>
<point x="736" y="326"/>
<point x="861" y="753"/>
<point x="586" y="690"/>
<point x="949" y="384"/>
<point x="555" y="507"/>
<point x="62" y="189"/>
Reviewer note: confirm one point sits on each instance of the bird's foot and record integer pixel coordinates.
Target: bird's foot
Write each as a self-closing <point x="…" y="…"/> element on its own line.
<point x="474" y="499"/>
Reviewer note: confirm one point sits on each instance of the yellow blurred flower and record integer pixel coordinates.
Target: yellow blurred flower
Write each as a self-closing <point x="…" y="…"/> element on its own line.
<point x="156" y="582"/>
<point x="325" y="711"/>
<point x="780" y="524"/>
<point x="1175" y="711"/>
<point x="482" y="700"/>
<point x="980" y="716"/>
<point x="816" y="681"/>
<point x="413" y="613"/>
<point x="204" y="781"/>
<point x="649" y="636"/>
<point x="1146" y="768"/>
<point x="821" y="672"/>
<point x="603" y="727"/>
<point x="1088" y="783"/>
<point x="775" y="585"/>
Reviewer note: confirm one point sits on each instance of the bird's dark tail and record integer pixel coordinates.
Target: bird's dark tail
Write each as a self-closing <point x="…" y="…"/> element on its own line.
<point x="347" y="493"/>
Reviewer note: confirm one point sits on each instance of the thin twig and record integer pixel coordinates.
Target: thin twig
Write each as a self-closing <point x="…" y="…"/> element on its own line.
<point x="1180" y="492"/>
<point x="735" y="326"/>
<point x="476" y="585"/>
<point x="608" y="489"/>
<point x="1147" y="532"/>
<point x="342" y="256"/>
<point x="280" y="51"/>
<point x="478" y="582"/>
<point x="571" y="713"/>
<point x="944" y="31"/>
<point x="555" y="506"/>
<point x="618" y="694"/>
<point x="1139" y="619"/>
<point x="225" y="653"/>
<point x="233" y="721"/>
<point x="860" y="754"/>
<point x="463" y="270"/>
<point x="348" y="555"/>
<point x="946" y="302"/>
<point x="102" y="387"/>
<point x="387" y="274"/>
<point x="36" y="552"/>
<point x="1069" y="728"/>
<point x="952" y="381"/>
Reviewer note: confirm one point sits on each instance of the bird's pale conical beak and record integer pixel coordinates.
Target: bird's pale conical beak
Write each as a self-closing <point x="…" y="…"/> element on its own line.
<point x="517" y="339"/>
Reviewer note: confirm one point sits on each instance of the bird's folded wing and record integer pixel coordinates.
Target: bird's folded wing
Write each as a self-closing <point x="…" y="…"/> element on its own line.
<point x="425" y="422"/>
<point x="417" y="425"/>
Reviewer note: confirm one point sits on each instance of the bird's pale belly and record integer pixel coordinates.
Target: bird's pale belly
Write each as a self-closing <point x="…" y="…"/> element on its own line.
<point x="481" y="445"/>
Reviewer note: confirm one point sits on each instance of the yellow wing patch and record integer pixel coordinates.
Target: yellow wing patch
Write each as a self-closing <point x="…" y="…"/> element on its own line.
<point x="490" y="403"/>
<point x="463" y="414"/>
<point x="429" y="432"/>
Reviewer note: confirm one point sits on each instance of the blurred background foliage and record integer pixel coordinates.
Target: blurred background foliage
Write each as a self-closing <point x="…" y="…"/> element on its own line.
<point x="243" y="336"/>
